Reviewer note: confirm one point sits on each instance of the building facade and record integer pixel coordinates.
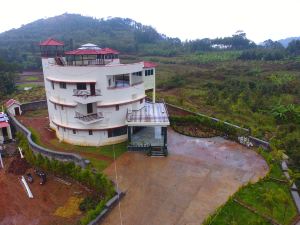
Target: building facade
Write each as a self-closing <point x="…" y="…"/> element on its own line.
<point x="90" y="92"/>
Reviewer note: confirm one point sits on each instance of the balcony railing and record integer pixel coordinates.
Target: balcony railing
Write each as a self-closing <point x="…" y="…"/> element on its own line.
<point x="86" y="93"/>
<point x="89" y="117"/>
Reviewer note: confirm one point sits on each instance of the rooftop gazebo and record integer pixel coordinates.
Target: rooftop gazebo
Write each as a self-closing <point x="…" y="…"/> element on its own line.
<point x="51" y="47"/>
<point x="90" y="54"/>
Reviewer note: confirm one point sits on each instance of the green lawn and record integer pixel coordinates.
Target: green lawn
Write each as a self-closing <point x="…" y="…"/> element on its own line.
<point x="96" y="155"/>
<point x="31" y="78"/>
<point x="269" y="197"/>
<point x="22" y="86"/>
<point x="234" y="214"/>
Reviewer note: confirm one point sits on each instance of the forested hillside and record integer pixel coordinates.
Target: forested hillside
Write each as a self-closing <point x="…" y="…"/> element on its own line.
<point x="126" y="35"/>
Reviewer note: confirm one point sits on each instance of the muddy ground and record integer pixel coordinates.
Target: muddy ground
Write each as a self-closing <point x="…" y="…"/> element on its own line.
<point x="17" y="209"/>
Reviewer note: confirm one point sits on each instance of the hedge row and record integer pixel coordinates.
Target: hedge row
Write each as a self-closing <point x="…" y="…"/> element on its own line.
<point x="96" y="181"/>
<point x="227" y="130"/>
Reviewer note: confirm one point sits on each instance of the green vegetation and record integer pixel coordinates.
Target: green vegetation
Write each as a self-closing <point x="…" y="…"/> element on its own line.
<point x="269" y="197"/>
<point x="8" y="77"/>
<point x="31" y="78"/>
<point x="260" y="95"/>
<point x="221" y="128"/>
<point x="26" y="85"/>
<point x="34" y="94"/>
<point x="96" y="181"/>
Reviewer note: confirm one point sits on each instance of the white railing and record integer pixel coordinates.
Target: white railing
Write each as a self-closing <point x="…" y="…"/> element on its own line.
<point x="88" y="117"/>
<point x="86" y="93"/>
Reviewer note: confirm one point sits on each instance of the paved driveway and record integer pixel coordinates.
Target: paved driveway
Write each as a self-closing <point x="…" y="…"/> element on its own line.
<point x="184" y="188"/>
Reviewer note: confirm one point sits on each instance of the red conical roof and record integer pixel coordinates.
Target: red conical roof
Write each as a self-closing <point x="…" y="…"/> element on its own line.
<point x="51" y="42"/>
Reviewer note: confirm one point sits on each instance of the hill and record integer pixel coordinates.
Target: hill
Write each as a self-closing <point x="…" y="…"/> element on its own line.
<point x="285" y="42"/>
<point x="128" y="36"/>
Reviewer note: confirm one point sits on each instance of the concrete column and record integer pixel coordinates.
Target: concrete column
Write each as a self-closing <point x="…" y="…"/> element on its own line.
<point x="129" y="133"/>
<point x="165" y="133"/>
<point x="9" y="132"/>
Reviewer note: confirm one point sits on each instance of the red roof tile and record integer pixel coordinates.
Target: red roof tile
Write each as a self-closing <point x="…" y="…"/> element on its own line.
<point x="51" y="42"/>
<point x="149" y="64"/>
<point x="10" y="102"/>
<point x="103" y="51"/>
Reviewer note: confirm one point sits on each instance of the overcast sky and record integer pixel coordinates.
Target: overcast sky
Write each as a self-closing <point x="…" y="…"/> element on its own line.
<point x="189" y="19"/>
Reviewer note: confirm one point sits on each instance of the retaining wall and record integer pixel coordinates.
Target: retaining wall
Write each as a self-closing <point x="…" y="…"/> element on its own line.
<point x="34" y="105"/>
<point x="62" y="156"/>
<point x="108" y="207"/>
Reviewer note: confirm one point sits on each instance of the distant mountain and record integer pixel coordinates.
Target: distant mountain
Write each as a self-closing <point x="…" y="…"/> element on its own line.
<point x="126" y="35"/>
<point x="285" y="42"/>
<point x="120" y="33"/>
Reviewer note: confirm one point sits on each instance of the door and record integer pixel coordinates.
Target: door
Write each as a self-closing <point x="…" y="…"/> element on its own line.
<point x="89" y="108"/>
<point x="17" y="111"/>
<point x="93" y="90"/>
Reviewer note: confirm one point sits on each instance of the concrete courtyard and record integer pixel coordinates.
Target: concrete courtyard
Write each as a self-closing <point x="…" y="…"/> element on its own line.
<point x="184" y="188"/>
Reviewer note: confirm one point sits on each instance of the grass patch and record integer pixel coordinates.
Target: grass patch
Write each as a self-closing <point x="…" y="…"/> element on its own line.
<point x="70" y="208"/>
<point x="22" y="86"/>
<point x="233" y="213"/>
<point x="97" y="164"/>
<point x="270" y="198"/>
<point x="31" y="78"/>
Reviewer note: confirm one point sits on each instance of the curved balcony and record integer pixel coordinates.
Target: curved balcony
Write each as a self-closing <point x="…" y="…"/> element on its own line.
<point x="89" y="118"/>
<point x="86" y="96"/>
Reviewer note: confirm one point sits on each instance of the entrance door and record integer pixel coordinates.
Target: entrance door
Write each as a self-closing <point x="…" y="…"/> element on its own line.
<point x="93" y="91"/>
<point x="17" y="111"/>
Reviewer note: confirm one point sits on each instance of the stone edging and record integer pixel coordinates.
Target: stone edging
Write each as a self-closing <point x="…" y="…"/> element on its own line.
<point x="108" y="207"/>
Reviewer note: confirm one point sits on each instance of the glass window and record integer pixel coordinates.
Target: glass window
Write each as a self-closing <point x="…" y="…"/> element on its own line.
<point x="90" y="132"/>
<point x="117" y="107"/>
<point x="117" y="131"/>
<point x="63" y="85"/>
<point x="52" y="84"/>
<point x="81" y="86"/>
<point x="74" y="131"/>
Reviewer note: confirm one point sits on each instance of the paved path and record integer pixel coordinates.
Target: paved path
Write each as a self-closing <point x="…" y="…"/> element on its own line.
<point x="184" y="188"/>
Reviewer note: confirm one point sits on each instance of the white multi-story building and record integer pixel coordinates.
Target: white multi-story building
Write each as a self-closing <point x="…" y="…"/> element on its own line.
<point x="93" y="99"/>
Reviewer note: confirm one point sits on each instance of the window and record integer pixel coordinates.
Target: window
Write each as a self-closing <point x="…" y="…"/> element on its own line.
<point x="141" y="101"/>
<point x="117" y="107"/>
<point x="62" y="107"/>
<point x="117" y="131"/>
<point x="63" y="85"/>
<point x="90" y="132"/>
<point x="74" y="131"/>
<point x="149" y="72"/>
<point x="89" y="108"/>
<point x="109" y="82"/>
<point x="52" y="84"/>
<point x="137" y="73"/>
<point x="81" y="86"/>
<point x="64" y="129"/>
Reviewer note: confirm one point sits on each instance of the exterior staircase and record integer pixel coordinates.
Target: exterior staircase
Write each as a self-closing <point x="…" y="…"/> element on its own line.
<point x="158" y="152"/>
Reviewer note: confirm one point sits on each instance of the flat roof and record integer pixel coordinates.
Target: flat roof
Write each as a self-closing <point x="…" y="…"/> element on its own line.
<point x="152" y="114"/>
